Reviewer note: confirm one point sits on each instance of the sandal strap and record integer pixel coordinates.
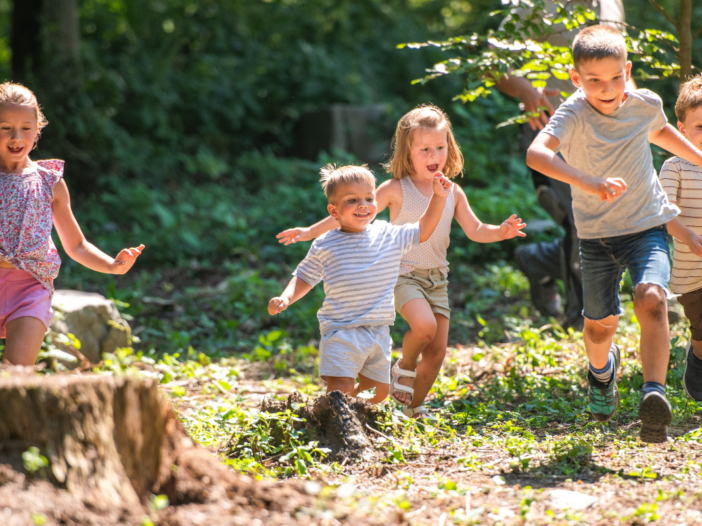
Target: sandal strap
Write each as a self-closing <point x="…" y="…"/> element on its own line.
<point x="411" y="411"/>
<point x="402" y="388"/>
<point x="403" y="372"/>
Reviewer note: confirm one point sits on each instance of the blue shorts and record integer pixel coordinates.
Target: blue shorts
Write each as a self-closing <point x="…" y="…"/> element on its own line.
<point x="604" y="260"/>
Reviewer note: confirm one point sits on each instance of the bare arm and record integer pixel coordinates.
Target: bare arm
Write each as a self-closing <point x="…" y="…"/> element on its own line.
<point x="542" y="157"/>
<point x="295" y="290"/>
<point x="685" y="234"/>
<point x="432" y="215"/>
<point x="479" y="231"/>
<point x="384" y="196"/>
<point x="676" y="143"/>
<point x="532" y="98"/>
<point x="77" y="247"/>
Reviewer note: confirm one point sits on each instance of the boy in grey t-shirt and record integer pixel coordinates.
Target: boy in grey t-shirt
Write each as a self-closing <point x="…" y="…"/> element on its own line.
<point x="603" y="132"/>
<point x="359" y="264"/>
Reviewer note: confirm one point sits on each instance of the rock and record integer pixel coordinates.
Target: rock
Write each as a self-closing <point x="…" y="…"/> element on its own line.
<point x="572" y="500"/>
<point x="92" y="319"/>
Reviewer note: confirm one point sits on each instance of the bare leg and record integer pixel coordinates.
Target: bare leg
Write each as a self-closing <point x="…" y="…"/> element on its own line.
<point x="24" y="338"/>
<point x="598" y="335"/>
<point x="432" y="359"/>
<point x="339" y="383"/>
<point x="365" y="383"/>
<point x="422" y="331"/>
<point x="651" y="310"/>
<point x="346" y="386"/>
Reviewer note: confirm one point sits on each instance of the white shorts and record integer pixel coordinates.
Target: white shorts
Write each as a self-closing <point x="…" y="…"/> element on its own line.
<point x="346" y="353"/>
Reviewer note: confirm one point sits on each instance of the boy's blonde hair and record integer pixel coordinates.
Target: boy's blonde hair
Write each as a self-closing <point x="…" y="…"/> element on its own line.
<point x="18" y="94"/>
<point x="689" y="97"/>
<point x="334" y="178"/>
<point x="429" y="117"/>
<point x="598" y="42"/>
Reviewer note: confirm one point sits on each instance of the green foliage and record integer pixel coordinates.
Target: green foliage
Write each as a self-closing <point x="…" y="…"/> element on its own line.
<point x="33" y="460"/>
<point x="519" y="47"/>
<point x="222" y="78"/>
<point x="278" y="436"/>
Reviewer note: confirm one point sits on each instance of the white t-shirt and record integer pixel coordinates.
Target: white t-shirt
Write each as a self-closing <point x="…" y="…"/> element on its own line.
<point x="682" y="181"/>
<point x="614" y="145"/>
<point x="359" y="271"/>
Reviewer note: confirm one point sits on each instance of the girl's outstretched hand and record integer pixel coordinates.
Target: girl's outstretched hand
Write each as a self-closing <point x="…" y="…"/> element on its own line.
<point x="441" y="186"/>
<point x="126" y="259"/>
<point x="293" y="235"/>
<point x="512" y="227"/>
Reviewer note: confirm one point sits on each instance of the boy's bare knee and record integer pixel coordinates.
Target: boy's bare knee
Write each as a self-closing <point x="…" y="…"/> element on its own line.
<point x="650" y="299"/>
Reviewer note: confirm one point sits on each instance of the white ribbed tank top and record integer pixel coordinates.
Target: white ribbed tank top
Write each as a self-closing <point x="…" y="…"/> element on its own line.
<point x="431" y="253"/>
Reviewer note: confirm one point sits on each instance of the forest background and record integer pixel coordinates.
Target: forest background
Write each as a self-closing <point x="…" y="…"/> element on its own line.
<point x="180" y="123"/>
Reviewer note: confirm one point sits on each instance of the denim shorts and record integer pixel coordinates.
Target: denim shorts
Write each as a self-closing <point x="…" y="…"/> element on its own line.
<point x="604" y="260"/>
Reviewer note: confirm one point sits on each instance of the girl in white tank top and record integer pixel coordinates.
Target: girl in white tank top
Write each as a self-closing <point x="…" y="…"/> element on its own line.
<point x="423" y="145"/>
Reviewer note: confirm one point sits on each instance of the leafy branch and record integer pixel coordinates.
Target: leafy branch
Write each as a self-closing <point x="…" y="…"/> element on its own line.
<point x="519" y="48"/>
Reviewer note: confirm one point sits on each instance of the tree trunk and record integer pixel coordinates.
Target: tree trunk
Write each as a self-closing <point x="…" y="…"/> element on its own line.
<point x="62" y="31"/>
<point x="685" y="39"/>
<point x="102" y="436"/>
<point x="110" y="444"/>
<point x="25" y="38"/>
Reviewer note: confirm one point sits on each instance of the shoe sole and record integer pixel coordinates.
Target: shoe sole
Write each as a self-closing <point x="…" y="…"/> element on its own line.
<point x="655" y="414"/>
<point x="600" y="417"/>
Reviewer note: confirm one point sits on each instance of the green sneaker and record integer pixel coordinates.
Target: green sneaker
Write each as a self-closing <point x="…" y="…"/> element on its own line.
<point x="603" y="399"/>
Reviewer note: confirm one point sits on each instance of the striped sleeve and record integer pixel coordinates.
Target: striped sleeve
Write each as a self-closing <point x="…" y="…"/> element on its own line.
<point x="311" y="269"/>
<point x="670" y="180"/>
<point x="409" y="237"/>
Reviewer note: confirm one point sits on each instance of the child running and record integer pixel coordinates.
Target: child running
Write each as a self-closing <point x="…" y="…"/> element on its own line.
<point x="682" y="181"/>
<point x="32" y="195"/>
<point x="423" y="146"/>
<point x="603" y="132"/>
<point x="359" y="264"/>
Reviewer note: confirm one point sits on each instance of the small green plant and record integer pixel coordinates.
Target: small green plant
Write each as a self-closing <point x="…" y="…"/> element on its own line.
<point x="279" y="438"/>
<point x="33" y="460"/>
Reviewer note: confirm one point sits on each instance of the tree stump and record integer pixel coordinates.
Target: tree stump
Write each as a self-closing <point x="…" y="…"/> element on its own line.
<point x="110" y="444"/>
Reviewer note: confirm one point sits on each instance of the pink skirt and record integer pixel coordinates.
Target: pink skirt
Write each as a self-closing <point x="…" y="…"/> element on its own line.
<point x="22" y="295"/>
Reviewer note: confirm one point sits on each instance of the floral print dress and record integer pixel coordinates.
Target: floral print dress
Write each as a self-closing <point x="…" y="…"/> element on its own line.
<point x="26" y="221"/>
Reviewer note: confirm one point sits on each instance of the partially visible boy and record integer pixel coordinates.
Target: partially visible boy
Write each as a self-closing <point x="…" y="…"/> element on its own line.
<point x="621" y="211"/>
<point x="682" y="181"/>
<point x="359" y="264"/>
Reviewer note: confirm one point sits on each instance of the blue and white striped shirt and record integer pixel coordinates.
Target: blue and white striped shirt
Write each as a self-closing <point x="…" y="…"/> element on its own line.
<point x="359" y="271"/>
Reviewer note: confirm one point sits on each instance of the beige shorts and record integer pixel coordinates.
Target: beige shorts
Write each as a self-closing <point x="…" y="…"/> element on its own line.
<point x="428" y="284"/>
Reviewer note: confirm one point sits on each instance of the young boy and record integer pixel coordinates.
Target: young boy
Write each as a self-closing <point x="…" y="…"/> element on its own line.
<point x="682" y="181"/>
<point x="602" y="131"/>
<point x="359" y="264"/>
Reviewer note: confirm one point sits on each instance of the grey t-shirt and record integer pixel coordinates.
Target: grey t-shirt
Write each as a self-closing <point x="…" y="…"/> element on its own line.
<point x="614" y="145"/>
<point x="359" y="271"/>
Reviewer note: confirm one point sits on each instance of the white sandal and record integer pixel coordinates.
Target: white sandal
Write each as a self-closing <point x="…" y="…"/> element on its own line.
<point x="396" y="386"/>
<point x="412" y="411"/>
